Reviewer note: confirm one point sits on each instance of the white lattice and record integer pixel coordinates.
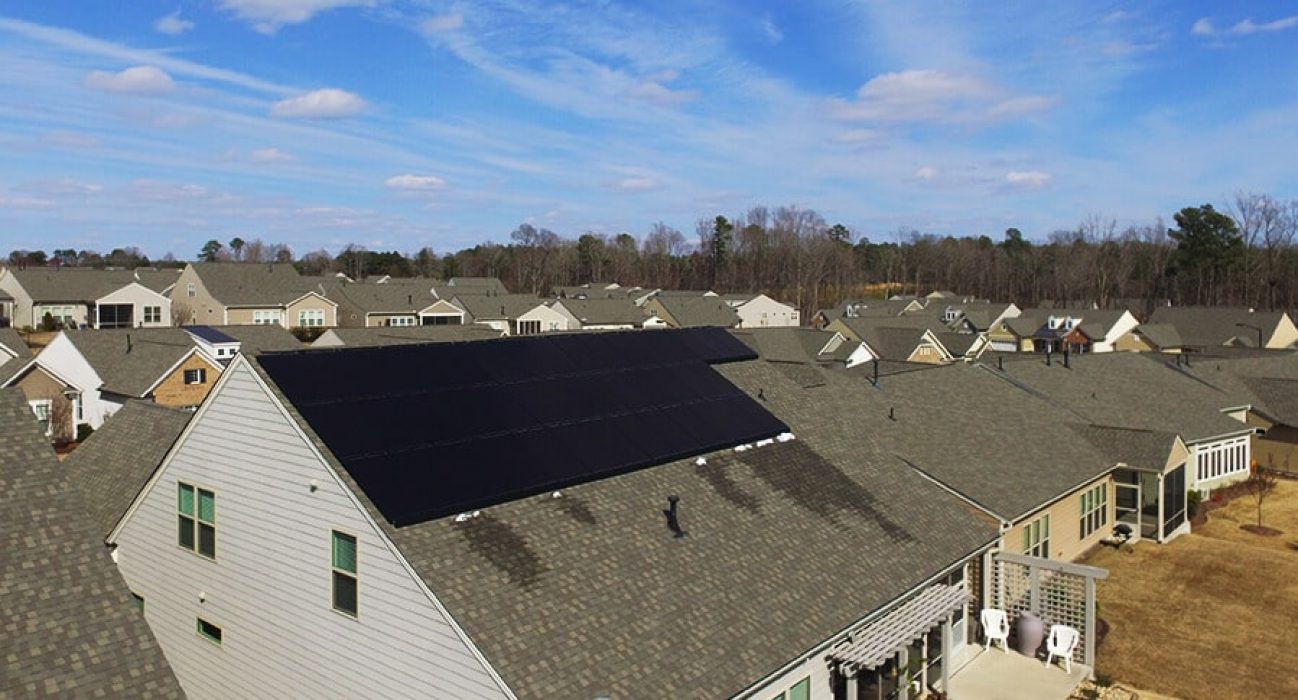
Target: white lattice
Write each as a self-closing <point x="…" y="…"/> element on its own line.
<point x="1059" y="597"/>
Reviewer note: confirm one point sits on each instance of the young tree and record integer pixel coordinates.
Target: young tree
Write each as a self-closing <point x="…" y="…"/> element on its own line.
<point x="1261" y="482"/>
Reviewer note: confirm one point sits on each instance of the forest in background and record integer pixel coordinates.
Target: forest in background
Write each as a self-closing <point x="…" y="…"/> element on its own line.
<point x="1241" y="254"/>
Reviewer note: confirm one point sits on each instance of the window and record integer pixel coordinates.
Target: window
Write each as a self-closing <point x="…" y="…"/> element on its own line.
<point x="401" y="321"/>
<point x="267" y="317"/>
<point x="344" y="573"/>
<point x="310" y="318"/>
<point x="801" y="690"/>
<point x="60" y="314"/>
<point x="78" y="408"/>
<point x="1095" y="509"/>
<point x="42" y="408"/>
<point x="191" y="289"/>
<point x="529" y="327"/>
<point x="1222" y="459"/>
<point x="139" y="601"/>
<point x="1036" y="537"/>
<point x="209" y="631"/>
<point x="196" y="376"/>
<point x="197" y="514"/>
<point x="153" y="314"/>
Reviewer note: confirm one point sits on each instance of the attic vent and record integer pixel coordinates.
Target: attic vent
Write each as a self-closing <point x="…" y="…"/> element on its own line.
<point x="673" y="520"/>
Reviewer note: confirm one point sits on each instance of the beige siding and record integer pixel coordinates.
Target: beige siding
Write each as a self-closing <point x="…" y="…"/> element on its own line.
<point x="1065" y="525"/>
<point x="655" y="308"/>
<point x="173" y="391"/>
<point x="269" y="587"/>
<point x="1131" y="342"/>
<point x="311" y="302"/>
<point x="1285" y="335"/>
<point x="380" y="320"/>
<point x="200" y="308"/>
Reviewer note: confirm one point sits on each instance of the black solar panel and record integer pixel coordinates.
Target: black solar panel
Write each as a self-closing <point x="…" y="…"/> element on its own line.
<point x="438" y="429"/>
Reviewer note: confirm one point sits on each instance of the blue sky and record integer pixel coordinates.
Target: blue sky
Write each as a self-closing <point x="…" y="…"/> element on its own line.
<point x="402" y="124"/>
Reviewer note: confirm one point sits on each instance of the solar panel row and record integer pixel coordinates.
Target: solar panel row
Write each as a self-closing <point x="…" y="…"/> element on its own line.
<point x="432" y="430"/>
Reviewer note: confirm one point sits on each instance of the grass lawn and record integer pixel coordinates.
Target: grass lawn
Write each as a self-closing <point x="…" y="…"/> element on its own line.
<point x="1210" y="615"/>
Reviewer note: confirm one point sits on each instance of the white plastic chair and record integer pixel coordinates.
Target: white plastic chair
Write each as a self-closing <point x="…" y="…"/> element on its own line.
<point x="1062" y="643"/>
<point x="996" y="627"/>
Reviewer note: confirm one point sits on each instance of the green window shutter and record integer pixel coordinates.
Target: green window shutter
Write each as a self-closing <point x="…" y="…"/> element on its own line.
<point x="186" y="499"/>
<point x="344" y="552"/>
<point x="206" y="506"/>
<point x="801" y="690"/>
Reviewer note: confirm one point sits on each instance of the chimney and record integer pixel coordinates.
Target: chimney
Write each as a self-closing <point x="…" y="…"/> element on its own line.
<point x="1000" y="362"/>
<point x="410" y="299"/>
<point x="1047" y="355"/>
<point x="875" y="381"/>
<point x="673" y="520"/>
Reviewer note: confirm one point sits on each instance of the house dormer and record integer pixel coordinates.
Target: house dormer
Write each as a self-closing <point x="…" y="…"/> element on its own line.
<point x="1054" y="322"/>
<point x="951" y="314"/>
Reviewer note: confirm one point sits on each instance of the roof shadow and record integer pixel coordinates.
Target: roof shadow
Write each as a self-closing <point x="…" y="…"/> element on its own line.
<point x="504" y="548"/>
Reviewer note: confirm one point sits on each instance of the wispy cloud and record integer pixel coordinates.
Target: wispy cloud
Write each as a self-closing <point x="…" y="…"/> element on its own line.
<point x="1206" y="28"/>
<point x="138" y="80"/>
<point x="936" y="96"/>
<point x="327" y="103"/>
<point x="268" y="16"/>
<point x="772" y="31"/>
<point x="442" y="23"/>
<point x="270" y="155"/>
<point x="1028" y="179"/>
<point x="172" y="24"/>
<point x="415" y="183"/>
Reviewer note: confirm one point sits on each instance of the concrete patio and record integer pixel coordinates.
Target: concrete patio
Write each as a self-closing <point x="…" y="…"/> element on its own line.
<point x="996" y="675"/>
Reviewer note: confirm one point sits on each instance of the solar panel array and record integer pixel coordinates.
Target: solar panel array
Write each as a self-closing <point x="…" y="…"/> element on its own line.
<point x="438" y="429"/>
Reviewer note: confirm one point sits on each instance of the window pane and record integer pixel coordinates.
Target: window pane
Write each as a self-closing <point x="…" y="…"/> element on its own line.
<point x="186" y="499"/>
<point x="801" y="691"/>
<point x="207" y="540"/>
<point x="209" y="630"/>
<point x="186" y="532"/>
<point x="344" y="552"/>
<point x="344" y="593"/>
<point x="206" y="506"/>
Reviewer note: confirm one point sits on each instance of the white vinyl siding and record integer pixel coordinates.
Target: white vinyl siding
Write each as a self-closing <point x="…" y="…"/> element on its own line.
<point x="270" y="588"/>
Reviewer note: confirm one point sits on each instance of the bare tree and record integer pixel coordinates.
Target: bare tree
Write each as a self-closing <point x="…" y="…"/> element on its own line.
<point x="1260" y="483"/>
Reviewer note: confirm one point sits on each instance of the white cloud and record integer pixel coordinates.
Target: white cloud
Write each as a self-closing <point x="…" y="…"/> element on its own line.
<point x="270" y="155"/>
<point x="1205" y="27"/>
<point x="138" y="80"/>
<point x="64" y="187"/>
<point x="267" y="16"/>
<point x="1028" y="179"/>
<point x="328" y="103"/>
<point x="635" y="184"/>
<point x="172" y="24"/>
<point x="857" y="136"/>
<point x="936" y="96"/>
<point x="927" y="172"/>
<point x="1117" y="16"/>
<point x="442" y="23"/>
<point x="773" y="33"/>
<point x="659" y="94"/>
<point x="415" y="183"/>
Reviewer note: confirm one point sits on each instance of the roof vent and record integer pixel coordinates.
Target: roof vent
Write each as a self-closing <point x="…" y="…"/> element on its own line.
<point x="673" y="520"/>
<point x="410" y="298"/>
<point x="128" y="342"/>
<point x="892" y="414"/>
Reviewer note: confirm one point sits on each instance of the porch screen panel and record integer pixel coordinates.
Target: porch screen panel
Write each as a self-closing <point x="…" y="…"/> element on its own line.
<point x="1173" y="499"/>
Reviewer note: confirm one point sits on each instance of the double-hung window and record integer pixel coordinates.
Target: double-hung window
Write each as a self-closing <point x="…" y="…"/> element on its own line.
<point x="345" y="583"/>
<point x="1036" y="537"/>
<point x="153" y="314"/>
<point x="265" y="317"/>
<point x="197" y="513"/>
<point x="1095" y="509"/>
<point x="196" y="376"/>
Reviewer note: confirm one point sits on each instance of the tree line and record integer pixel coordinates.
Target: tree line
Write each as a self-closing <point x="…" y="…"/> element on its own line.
<point x="1240" y="254"/>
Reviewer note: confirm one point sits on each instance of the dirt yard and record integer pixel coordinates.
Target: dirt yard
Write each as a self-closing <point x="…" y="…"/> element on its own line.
<point x="1212" y="614"/>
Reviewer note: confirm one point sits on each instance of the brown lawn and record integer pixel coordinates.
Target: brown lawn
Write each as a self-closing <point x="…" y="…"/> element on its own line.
<point x="1210" y="615"/>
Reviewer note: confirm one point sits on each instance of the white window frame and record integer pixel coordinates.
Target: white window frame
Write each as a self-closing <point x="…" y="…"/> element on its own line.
<point x="153" y="314"/>
<point x="46" y="406"/>
<point x="402" y="321"/>
<point x="311" y="318"/>
<point x="1222" y="459"/>
<point x="1037" y="545"/>
<point x="1094" y="509"/>
<point x="200" y="374"/>
<point x="191" y="290"/>
<point x="267" y="317"/>
<point x="532" y="327"/>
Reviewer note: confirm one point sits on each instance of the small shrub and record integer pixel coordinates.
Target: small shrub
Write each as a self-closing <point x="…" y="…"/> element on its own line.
<point x="1192" y="502"/>
<point x="84" y="431"/>
<point x="306" y="335"/>
<point x="1103" y="680"/>
<point x="48" y="324"/>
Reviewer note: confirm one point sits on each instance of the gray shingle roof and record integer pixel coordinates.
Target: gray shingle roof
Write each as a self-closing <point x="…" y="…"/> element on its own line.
<point x="1140" y="449"/>
<point x="114" y="463"/>
<point x="693" y="312"/>
<point x="158" y="280"/>
<point x="259" y="339"/>
<point x="892" y="338"/>
<point x="249" y="284"/>
<point x="396" y="335"/>
<point x="14" y="342"/>
<point x="1202" y="326"/>
<point x="495" y="307"/>
<point x="1133" y="390"/>
<point x="589" y="594"/>
<point x="68" y="626"/>
<point x="129" y="361"/>
<point x="605" y="311"/>
<point x="71" y="285"/>
<point x="1162" y="335"/>
<point x="477" y="285"/>
<point x="378" y="298"/>
<point x="791" y="344"/>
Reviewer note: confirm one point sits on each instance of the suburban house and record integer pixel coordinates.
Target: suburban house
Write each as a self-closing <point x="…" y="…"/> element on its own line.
<point x="98" y="371"/>
<point x="373" y="337"/>
<point x="1205" y="327"/>
<point x="976" y="316"/>
<point x="14" y="353"/>
<point x="224" y="342"/>
<point x="512" y="314"/>
<point x="223" y="294"/>
<point x="1151" y="337"/>
<point x="1054" y="331"/>
<point x="404" y="303"/>
<point x="6" y="309"/>
<point x="692" y="311"/>
<point x="1014" y="333"/>
<point x="1148" y="392"/>
<point x="902" y="339"/>
<point x="605" y="314"/>
<point x="804" y="345"/>
<point x="71" y="626"/>
<point x="760" y="311"/>
<point x="620" y="563"/>
<point x="474" y="285"/>
<point x="86" y="298"/>
<point x="858" y="308"/>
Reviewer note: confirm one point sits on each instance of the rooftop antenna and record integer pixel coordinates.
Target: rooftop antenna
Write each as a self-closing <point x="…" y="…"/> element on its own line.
<point x="673" y="519"/>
